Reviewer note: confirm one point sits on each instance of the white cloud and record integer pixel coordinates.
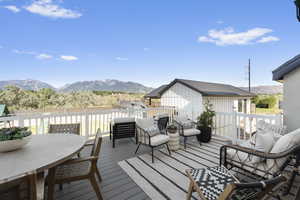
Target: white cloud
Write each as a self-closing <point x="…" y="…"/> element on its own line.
<point x="268" y="39"/>
<point x="121" y="59"/>
<point x="146" y="49"/>
<point x="220" y="22"/>
<point x="68" y="58"/>
<point x="12" y="8"/>
<point x="24" y="52"/>
<point x="48" y="9"/>
<point x="43" y="56"/>
<point x="228" y="36"/>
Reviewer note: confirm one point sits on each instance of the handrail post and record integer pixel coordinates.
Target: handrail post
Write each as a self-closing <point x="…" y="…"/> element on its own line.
<point x="235" y="127"/>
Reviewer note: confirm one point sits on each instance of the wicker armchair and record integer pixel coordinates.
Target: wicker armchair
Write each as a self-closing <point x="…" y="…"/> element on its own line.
<point x="64" y="128"/>
<point x="150" y="135"/>
<point x="187" y="128"/>
<point x="271" y="166"/>
<point x="77" y="169"/>
<point x="19" y="188"/>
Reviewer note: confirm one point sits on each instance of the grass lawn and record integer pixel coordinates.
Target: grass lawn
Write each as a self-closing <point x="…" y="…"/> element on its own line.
<point x="268" y="111"/>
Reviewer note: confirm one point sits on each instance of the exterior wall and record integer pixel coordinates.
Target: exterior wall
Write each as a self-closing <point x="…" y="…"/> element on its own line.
<point x="186" y="101"/>
<point x="228" y="104"/>
<point x="291" y="102"/>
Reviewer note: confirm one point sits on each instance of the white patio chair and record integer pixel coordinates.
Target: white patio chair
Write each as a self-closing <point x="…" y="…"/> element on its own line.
<point x="150" y="135"/>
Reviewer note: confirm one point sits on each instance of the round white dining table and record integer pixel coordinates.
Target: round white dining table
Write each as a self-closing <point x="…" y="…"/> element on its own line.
<point x="41" y="153"/>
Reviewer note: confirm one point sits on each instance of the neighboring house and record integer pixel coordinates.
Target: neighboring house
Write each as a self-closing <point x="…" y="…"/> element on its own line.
<point x="188" y="97"/>
<point x="289" y="74"/>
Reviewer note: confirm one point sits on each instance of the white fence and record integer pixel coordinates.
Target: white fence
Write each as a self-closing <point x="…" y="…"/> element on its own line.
<point x="90" y="121"/>
<point x="239" y="126"/>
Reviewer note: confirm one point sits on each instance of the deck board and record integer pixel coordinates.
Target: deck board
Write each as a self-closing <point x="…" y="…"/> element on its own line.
<point x="116" y="184"/>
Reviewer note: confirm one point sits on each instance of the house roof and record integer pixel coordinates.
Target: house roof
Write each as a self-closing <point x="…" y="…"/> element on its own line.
<point x="156" y="92"/>
<point x="284" y="69"/>
<point x="205" y="88"/>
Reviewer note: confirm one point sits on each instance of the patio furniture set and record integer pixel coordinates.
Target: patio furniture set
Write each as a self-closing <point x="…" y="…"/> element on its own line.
<point x="23" y="172"/>
<point x="152" y="132"/>
<point x="265" y="158"/>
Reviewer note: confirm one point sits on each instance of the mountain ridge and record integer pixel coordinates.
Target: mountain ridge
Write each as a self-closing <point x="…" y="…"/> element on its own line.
<point x="95" y="85"/>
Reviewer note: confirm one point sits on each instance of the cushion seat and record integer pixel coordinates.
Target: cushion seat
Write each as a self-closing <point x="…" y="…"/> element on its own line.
<point x="191" y="132"/>
<point x="159" y="139"/>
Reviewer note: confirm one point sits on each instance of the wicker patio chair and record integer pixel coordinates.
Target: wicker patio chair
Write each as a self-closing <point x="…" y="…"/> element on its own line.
<point x="150" y="135"/>
<point x="187" y="128"/>
<point x="122" y="128"/>
<point x="217" y="183"/>
<point x="272" y="164"/>
<point x="19" y="188"/>
<point x="84" y="168"/>
<point x="162" y="122"/>
<point x="65" y="128"/>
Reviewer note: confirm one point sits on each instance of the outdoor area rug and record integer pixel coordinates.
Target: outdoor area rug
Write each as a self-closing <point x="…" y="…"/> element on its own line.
<point x="166" y="177"/>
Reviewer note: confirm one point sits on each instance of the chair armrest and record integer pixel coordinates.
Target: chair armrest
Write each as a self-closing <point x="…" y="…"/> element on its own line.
<point x="259" y="153"/>
<point x="143" y="130"/>
<point x="78" y="160"/>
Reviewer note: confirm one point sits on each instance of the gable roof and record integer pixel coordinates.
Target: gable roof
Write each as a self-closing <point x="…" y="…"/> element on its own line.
<point x="284" y="69"/>
<point x="205" y="88"/>
<point x="156" y="92"/>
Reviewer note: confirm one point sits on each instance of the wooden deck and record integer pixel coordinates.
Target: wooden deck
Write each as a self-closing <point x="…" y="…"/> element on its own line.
<point x="116" y="184"/>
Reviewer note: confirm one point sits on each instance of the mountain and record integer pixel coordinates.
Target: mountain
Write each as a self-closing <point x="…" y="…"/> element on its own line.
<point x="26" y="84"/>
<point x="266" y="89"/>
<point x="106" y="85"/>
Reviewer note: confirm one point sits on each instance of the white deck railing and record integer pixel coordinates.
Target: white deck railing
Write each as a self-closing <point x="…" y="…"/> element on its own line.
<point x="90" y="121"/>
<point x="239" y="126"/>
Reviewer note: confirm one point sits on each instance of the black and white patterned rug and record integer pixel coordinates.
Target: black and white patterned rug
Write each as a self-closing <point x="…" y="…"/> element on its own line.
<point x="166" y="177"/>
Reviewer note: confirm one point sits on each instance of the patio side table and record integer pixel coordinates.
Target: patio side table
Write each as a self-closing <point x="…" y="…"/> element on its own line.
<point x="173" y="143"/>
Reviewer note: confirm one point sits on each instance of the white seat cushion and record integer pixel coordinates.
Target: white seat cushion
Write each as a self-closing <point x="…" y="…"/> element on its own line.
<point x="191" y="132"/>
<point x="285" y="143"/>
<point x="159" y="139"/>
<point x="123" y="120"/>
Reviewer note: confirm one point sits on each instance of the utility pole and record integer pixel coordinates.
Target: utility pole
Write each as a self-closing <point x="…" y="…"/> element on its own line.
<point x="249" y="75"/>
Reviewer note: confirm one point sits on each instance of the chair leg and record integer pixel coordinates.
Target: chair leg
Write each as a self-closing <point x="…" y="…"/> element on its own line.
<point x="137" y="148"/>
<point x="113" y="142"/>
<point x="184" y="142"/>
<point x="168" y="149"/>
<point x="95" y="187"/>
<point x="61" y="187"/>
<point x="152" y="149"/>
<point x="98" y="174"/>
<point x="190" y="191"/>
<point x="51" y="183"/>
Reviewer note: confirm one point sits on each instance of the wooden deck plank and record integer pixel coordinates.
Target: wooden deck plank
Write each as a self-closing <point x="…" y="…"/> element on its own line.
<point x="116" y="184"/>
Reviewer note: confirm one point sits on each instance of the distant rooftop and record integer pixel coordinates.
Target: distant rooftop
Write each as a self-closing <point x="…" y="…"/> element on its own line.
<point x="205" y="88"/>
<point x="287" y="67"/>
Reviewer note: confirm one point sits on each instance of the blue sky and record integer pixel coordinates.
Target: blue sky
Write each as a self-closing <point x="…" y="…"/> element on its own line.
<point x="151" y="42"/>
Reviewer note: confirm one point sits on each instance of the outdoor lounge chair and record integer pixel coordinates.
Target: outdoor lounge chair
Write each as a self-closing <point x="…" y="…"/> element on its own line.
<point x="150" y="135"/>
<point x="286" y="151"/>
<point x="19" y="188"/>
<point x="122" y="128"/>
<point x="77" y="169"/>
<point x="162" y="122"/>
<point x="187" y="128"/>
<point x="217" y="183"/>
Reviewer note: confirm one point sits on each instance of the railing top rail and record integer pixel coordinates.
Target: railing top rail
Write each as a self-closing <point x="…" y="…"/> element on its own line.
<point x="83" y="112"/>
<point x="250" y="115"/>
